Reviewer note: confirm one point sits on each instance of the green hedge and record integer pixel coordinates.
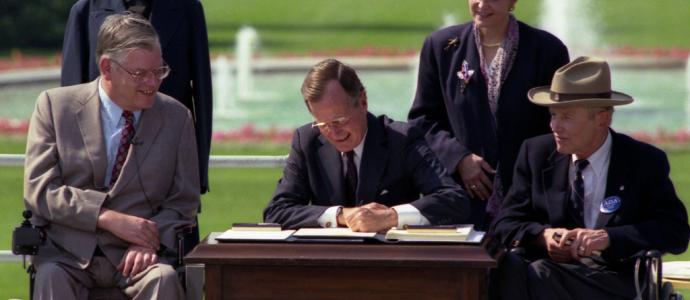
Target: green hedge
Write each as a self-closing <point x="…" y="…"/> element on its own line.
<point x="33" y="23"/>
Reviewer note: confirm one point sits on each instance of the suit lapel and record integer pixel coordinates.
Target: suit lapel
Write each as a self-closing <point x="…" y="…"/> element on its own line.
<point x="615" y="179"/>
<point x="89" y="120"/>
<point x="555" y="183"/>
<point x="146" y="131"/>
<point x="331" y="165"/>
<point x="472" y="100"/>
<point x="374" y="160"/>
<point x="472" y="58"/>
<point x="101" y="9"/>
<point x="165" y="17"/>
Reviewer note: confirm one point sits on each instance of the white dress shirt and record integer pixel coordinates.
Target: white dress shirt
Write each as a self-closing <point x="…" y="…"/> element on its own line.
<point x="407" y="213"/>
<point x="594" y="176"/>
<point x="112" y="123"/>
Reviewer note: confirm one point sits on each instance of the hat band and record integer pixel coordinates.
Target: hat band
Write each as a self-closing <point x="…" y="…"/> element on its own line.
<point x="560" y="97"/>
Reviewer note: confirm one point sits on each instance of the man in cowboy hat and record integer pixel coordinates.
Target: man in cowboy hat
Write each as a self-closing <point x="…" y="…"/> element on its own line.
<point x="585" y="199"/>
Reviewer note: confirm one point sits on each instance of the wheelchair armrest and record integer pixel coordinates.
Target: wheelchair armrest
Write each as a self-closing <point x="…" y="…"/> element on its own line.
<point x="187" y="238"/>
<point x="519" y="251"/>
<point x="652" y="253"/>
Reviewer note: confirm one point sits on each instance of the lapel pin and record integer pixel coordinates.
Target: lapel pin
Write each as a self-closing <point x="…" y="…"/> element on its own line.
<point x="610" y="204"/>
<point x="465" y="74"/>
<point x="621" y="188"/>
<point x="451" y="43"/>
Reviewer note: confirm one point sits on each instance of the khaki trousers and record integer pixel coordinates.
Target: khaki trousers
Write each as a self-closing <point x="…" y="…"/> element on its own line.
<point x="59" y="281"/>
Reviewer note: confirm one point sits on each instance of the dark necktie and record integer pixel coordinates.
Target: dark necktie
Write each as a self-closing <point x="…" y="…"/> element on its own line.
<point x="125" y="141"/>
<point x="350" y="180"/>
<point x="579" y="186"/>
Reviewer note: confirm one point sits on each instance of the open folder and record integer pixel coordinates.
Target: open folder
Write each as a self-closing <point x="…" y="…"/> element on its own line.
<point x="464" y="234"/>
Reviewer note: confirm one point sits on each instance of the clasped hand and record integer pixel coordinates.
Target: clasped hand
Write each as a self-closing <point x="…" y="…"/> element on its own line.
<point x="371" y="217"/>
<point x="133" y="229"/>
<point x="142" y="233"/>
<point x="573" y="244"/>
<point x="474" y="173"/>
<point x="136" y="259"/>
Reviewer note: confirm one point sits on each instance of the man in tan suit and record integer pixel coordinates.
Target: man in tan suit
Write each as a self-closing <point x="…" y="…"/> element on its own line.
<point x="111" y="172"/>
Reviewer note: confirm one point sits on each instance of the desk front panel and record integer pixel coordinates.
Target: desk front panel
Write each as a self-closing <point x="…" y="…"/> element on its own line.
<point x="342" y="271"/>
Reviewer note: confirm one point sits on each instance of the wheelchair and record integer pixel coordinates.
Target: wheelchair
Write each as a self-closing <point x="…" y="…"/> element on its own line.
<point x="27" y="239"/>
<point x="649" y="284"/>
<point x="648" y="276"/>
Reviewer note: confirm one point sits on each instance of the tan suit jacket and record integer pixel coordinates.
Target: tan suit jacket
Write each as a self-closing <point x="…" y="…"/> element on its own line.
<point x="65" y="173"/>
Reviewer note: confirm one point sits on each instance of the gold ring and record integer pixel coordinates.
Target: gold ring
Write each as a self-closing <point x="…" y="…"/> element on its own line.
<point x="582" y="249"/>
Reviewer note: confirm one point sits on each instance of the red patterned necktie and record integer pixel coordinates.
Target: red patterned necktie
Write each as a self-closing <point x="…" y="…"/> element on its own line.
<point x="125" y="141"/>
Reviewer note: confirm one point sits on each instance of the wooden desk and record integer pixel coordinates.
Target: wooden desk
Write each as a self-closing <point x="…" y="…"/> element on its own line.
<point x="341" y="271"/>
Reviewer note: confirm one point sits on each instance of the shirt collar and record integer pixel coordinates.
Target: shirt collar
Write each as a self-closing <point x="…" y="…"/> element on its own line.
<point x="599" y="157"/>
<point x="360" y="148"/>
<point x="112" y="110"/>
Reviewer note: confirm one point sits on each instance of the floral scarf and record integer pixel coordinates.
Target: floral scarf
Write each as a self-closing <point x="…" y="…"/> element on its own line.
<point x="495" y="74"/>
<point x="497" y="70"/>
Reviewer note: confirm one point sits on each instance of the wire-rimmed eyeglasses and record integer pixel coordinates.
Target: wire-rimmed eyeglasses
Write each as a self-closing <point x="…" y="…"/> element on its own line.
<point x="140" y="75"/>
<point x="335" y="123"/>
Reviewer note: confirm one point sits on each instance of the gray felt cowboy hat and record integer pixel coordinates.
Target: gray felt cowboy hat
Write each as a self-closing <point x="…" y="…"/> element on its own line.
<point x="585" y="81"/>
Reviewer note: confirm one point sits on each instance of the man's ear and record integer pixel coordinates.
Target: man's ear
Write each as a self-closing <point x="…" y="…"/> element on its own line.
<point x="106" y="67"/>
<point x="604" y="118"/>
<point x="363" y="99"/>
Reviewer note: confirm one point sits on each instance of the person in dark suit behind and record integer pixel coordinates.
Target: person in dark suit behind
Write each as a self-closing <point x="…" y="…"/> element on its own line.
<point x="470" y="100"/>
<point x="350" y="168"/>
<point x="182" y="30"/>
<point x="109" y="176"/>
<point x="585" y="199"/>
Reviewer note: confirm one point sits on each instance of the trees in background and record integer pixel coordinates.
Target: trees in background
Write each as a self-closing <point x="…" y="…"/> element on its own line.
<point x="33" y="23"/>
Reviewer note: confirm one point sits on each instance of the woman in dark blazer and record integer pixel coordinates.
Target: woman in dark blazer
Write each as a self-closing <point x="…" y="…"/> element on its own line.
<point x="471" y="98"/>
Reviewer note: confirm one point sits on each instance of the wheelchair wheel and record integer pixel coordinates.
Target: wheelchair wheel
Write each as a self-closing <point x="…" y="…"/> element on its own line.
<point x="668" y="294"/>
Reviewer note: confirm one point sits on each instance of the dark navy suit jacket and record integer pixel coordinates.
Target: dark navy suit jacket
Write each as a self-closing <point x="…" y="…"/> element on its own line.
<point x="397" y="166"/>
<point x="456" y="117"/>
<point x="650" y="216"/>
<point x="182" y="31"/>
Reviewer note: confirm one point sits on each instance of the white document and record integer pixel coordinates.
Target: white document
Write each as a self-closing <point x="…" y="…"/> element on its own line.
<point x="462" y="234"/>
<point x="333" y="232"/>
<point x="231" y="235"/>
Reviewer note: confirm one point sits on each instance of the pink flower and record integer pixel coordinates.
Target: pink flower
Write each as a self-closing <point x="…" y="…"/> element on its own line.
<point x="465" y="73"/>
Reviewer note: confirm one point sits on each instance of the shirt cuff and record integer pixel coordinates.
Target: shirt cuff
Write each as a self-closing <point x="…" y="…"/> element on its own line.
<point x="409" y="215"/>
<point x="328" y="218"/>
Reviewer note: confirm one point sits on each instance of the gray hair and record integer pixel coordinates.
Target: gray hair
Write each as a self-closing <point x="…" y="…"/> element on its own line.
<point x="320" y="74"/>
<point x="122" y="33"/>
<point x="595" y="110"/>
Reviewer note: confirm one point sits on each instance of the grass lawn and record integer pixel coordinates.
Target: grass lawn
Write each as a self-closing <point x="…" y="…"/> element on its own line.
<point x="238" y="195"/>
<point x="303" y="26"/>
<point x="306" y="26"/>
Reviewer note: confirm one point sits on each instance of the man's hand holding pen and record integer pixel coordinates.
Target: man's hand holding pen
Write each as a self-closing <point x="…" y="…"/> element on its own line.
<point x="564" y="245"/>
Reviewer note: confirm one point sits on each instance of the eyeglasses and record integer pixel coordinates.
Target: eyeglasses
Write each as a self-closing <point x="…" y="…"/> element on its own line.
<point x="336" y="123"/>
<point x="141" y="75"/>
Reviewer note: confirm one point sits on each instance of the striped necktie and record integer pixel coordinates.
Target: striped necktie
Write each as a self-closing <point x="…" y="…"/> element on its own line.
<point x="579" y="186"/>
<point x="125" y="141"/>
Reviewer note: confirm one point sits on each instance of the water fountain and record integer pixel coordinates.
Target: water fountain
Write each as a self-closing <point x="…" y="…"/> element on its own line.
<point x="246" y="39"/>
<point x="573" y="22"/>
<point x="449" y="19"/>
<point x="223" y="96"/>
